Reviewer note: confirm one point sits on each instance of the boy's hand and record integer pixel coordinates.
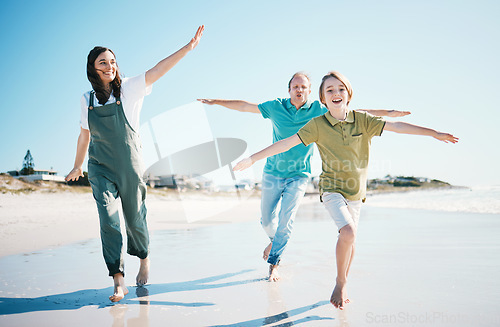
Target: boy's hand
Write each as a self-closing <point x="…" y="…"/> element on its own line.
<point x="243" y="164"/>
<point x="445" y="137"/>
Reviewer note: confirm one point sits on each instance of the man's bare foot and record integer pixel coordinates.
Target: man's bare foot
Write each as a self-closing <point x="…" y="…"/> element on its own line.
<point x="338" y="296"/>
<point x="120" y="288"/>
<point x="143" y="275"/>
<point x="273" y="273"/>
<point x="267" y="250"/>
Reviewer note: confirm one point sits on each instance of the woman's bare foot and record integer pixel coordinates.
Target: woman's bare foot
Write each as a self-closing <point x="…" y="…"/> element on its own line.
<point x="338" y="296"/>
<point x="120" y="288"/>
<point x="143" y="275"/>
<point x="267" y="250"/>
<point x="273" y="273"/>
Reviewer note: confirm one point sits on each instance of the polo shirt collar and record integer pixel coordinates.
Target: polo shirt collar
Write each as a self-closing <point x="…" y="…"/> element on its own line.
<point x="334" y="121"/>
<point x="305" y="106"/>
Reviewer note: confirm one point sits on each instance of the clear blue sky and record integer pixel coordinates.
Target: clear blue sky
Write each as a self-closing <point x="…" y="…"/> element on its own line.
<point x="438" y="59"/>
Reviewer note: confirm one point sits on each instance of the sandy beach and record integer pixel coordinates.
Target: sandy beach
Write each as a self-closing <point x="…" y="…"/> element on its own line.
<point x="413" y="267"/>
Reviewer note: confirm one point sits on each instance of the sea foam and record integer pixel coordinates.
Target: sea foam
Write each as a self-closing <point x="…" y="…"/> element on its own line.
<point x="480" y="199"/>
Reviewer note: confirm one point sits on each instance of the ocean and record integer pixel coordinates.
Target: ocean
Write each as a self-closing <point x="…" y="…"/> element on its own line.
<point x="480" y="199"/>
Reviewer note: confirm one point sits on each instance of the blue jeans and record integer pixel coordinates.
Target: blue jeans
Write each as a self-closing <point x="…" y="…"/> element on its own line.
<point x="283" y="194"/>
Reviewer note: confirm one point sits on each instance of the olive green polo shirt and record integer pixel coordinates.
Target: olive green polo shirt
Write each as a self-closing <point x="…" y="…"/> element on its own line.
<point x="344" y="147"/>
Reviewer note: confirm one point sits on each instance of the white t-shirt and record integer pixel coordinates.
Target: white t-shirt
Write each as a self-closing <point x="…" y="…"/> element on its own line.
<point x="133" y="92"/>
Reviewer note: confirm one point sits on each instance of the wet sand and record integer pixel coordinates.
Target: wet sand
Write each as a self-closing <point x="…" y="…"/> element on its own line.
<point x="412" y="268"/>
<point x="41" y="220"/>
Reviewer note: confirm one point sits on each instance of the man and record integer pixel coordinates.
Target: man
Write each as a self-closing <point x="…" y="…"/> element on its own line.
<point x="285" y="175"/>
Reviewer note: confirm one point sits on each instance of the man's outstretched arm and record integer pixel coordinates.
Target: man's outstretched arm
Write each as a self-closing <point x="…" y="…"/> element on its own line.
<point x="385" y="113"/>
<point x="238" y="105"/>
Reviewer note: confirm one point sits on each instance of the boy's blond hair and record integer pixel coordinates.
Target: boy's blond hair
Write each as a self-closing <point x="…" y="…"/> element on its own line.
<point x="341" y="78"/>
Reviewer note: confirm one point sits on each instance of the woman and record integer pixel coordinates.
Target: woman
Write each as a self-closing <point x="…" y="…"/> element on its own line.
<point x="109" y="124"/>
<point x="343" y="138"/>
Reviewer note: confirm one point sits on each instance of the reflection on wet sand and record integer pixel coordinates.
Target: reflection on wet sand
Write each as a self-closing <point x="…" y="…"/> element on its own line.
<point x="119" y="310"/>
<point x="277" y="312"/>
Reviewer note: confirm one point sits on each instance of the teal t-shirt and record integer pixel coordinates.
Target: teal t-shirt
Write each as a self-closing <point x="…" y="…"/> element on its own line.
<point x="287" y="121"/>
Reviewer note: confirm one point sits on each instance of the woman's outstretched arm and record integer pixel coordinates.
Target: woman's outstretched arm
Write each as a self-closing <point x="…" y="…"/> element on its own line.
<point x="166" y="64"/>
<point x="81" y="150"/>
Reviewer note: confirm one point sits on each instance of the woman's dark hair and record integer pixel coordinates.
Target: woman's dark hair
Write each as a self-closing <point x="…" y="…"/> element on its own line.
<point x="101" y="92"/>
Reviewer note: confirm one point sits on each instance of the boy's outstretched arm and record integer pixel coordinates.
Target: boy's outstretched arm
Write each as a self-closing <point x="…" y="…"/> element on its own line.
<point x="238" y="105"/>
<point x="168" y="63"/>
<point x="385" y="113"/>
<point x="278" y="147"/>
<point x="405" y="128"/>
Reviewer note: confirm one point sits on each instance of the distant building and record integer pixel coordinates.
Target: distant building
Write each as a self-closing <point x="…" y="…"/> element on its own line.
<point x="38" y="175"/>
<point x="181" y="182"/>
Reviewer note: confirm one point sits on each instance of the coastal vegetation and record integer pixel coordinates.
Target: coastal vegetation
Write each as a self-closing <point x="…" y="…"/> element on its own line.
<point x="12" y="185"/>
<point x="9" y="184"/>
<point x="28" y="164"/>
<point x="404" y="183"/>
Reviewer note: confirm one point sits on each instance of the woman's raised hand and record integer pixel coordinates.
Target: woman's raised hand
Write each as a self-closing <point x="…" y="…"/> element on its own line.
<point x="196" y="39"/>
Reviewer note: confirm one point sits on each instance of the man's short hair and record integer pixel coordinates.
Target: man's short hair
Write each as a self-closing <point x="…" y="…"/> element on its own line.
<point x="299" y="74"/>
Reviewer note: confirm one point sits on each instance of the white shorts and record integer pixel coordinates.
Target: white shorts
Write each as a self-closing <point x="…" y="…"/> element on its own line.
<point x="342" y="211"/>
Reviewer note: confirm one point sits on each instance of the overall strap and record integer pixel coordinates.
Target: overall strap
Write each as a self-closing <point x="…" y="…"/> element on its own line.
<point x="91" y="100"/>
<point x="119" y="100"/>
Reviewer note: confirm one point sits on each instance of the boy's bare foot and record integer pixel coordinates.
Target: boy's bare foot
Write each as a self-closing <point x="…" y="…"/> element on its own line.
<point x="338" y="296"/>
<point x="120" y="288"/>
<point x="267" y="250"/>
<point x="143" y="275"/>
<point x="273" y="273"/>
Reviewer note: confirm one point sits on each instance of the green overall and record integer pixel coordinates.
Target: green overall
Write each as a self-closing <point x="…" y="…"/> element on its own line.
<point x="115" y="170"/>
